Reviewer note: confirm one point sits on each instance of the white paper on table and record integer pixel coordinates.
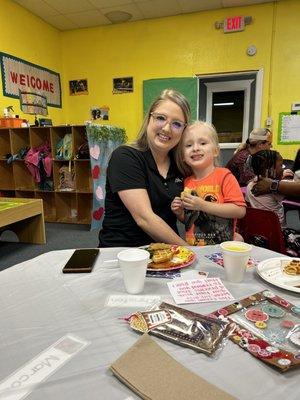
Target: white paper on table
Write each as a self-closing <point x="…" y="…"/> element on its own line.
<point x="127" y="300"/>
<point x="199" y="290"/>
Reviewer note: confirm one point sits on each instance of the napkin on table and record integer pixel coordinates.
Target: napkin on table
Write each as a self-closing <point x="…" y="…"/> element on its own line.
<point x="154" y="375"/>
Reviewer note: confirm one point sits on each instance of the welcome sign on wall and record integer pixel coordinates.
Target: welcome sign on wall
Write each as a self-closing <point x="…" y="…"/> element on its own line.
<point x="21" y="76"/>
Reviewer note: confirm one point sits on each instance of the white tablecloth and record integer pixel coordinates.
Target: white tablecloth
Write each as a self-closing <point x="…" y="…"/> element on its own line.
<point x="39" y="305"/>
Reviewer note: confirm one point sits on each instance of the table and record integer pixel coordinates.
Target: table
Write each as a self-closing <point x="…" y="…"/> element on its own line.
<point x="40" y="305"/>
<point x="25" y="217"/>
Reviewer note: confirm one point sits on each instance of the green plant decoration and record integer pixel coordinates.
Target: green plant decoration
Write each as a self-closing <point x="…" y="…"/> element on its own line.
<point x="104" y="133"/>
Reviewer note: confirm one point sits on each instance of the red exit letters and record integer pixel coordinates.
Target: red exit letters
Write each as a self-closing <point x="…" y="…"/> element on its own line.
<point x="234" y="24"/>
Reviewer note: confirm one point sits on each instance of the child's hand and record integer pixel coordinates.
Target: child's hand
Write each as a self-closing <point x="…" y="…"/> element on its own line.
<point x="191" y="202"/>
<point x="177" y="206"/>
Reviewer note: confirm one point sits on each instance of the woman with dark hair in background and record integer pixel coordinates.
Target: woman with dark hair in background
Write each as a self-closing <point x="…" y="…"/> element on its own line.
<point x="143" y="179"/>
<point x="259" y="139"/>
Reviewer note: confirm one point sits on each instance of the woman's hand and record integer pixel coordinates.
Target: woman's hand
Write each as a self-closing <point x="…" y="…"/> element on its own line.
<point x="262" y="186"/>
<point x="177" y="206"/>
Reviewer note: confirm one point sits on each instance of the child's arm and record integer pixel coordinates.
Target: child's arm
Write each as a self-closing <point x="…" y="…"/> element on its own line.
<point x="225" y="210"/>
<point x="177" y="208"/>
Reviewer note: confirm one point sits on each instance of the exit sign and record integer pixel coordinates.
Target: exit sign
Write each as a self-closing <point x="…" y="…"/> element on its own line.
<point x="234" y="24"/>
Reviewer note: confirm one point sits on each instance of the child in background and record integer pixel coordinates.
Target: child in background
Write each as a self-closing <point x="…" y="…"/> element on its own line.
<point x="296" y="167"/>
<point x="212" y="199"/>
<point x="268" y="164"/>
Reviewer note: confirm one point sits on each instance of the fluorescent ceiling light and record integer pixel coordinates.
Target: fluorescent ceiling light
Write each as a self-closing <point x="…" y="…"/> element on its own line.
<point x="224" y="104"/>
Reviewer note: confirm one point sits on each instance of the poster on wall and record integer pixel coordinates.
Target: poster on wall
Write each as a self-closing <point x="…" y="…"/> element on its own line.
<point x="288" y="128"/>
<point x="32" y="103"/>
<point x="78" y="86"/>
<point x="122" y="85"/>
<point x="101" y="112"/>
<point x="20" y="75"/>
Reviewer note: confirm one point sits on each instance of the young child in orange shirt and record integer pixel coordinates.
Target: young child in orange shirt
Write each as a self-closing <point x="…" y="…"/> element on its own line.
<point x="212" y="199"/>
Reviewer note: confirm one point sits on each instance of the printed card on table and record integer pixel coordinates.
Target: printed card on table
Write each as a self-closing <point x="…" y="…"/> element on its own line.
<point x="199" y="291"/>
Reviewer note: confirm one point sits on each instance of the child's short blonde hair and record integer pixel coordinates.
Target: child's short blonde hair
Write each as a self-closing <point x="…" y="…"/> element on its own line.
<point x="211" y="132"/>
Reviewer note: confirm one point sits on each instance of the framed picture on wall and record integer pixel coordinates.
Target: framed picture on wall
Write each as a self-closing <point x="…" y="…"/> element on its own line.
<point x="122" y="85"/>
<point x="78" y="86"/>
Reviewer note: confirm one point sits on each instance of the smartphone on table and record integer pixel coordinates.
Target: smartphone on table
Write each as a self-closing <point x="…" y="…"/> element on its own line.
<point x="82" y="260"/>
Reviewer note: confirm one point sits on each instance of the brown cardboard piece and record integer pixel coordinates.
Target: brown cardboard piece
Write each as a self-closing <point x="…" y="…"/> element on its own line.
<point x="154" y="375"/>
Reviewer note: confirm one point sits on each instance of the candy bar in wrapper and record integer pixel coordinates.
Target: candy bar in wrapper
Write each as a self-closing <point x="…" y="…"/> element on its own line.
<point x="186" y="328"/>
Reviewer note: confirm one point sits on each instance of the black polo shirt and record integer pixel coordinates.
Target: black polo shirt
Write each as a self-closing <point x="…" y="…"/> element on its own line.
<point x="130" y="168"/>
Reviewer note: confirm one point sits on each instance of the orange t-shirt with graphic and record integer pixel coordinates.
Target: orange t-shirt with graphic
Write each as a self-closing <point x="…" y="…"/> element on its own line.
<point x="219" y="187"/>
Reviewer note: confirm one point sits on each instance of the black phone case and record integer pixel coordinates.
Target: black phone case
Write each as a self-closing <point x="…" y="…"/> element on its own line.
<point x="81" y="261"/>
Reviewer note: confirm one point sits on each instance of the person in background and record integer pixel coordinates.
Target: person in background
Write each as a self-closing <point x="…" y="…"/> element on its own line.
<point x="268" y="163"/>
<point x="212" y="199"/>
<point x="142" y="179"/>
<point x="259" y="139"/>
<point x="296" y="166"/>
<point x="290" y="189"/>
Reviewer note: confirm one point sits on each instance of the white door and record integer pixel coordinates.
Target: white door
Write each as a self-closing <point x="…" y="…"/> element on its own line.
<point x="232" y="102"/>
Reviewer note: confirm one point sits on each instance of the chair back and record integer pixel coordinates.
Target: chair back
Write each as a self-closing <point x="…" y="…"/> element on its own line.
<point x="262" y="228"/>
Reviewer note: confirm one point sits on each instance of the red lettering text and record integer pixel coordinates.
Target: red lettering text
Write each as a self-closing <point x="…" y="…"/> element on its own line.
<point x="22" y="79"/>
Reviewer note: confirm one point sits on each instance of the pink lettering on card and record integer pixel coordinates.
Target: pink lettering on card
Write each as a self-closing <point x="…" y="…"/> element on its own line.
<point x="197" y="291"/>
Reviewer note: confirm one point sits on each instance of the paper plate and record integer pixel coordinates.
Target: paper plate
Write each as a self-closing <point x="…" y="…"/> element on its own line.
<point x="182" y="258"/>
<point x="271" y="271"/>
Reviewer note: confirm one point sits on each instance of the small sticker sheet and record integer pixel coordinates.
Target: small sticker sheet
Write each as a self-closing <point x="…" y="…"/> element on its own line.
<point x="199" y="290"/>
<point x="268" y="326"/>
<point x="124" y="300"/>
<point x="218" y="259"/>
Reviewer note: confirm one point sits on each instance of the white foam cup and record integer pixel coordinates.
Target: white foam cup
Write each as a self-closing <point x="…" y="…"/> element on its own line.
<point x="235" y="256"/>
<point x="133" y="263"/>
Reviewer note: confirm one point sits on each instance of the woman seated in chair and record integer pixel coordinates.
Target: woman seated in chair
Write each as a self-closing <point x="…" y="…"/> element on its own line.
<point x="268" y="163"/>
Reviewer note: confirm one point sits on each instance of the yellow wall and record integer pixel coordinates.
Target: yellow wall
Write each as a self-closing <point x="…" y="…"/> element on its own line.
<point x="25" y="36"/>
<point x="166" y="47"/>
<point x="285" y="83"/>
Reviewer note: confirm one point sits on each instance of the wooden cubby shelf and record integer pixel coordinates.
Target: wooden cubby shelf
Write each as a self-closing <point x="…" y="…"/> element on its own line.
<point x="59" y="205"/>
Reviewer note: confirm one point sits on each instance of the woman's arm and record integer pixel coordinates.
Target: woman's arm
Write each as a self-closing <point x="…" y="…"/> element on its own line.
<point x="287" y="188"/>
<point x="225" y="210"/>
<point x="138" y="204"/>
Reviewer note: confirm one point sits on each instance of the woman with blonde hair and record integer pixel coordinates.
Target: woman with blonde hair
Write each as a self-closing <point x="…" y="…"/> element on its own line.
<point x="259" y="139"/>
<point x="143" y="179"/>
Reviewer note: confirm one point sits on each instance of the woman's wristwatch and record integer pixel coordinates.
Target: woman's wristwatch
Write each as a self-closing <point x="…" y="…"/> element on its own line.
<point x="274" y="186"/>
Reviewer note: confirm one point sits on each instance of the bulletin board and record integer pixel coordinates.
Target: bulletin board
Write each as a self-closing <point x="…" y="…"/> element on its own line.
<point x="288" y="128"/>
<point x="187" y="86"/>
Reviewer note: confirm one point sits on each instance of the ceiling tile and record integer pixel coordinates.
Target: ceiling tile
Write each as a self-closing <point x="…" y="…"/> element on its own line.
<point x="61" y="22"/>
<point x="38" y="7"/>
<point x="129" y="8"/>
<point x="109" y="3"/>
<point x="157" y="8"/>
<point x="199" y="5"/>
<point x="88" y="18"/>
<point x="93" y="10"/>
<point x="65" y="7"/>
